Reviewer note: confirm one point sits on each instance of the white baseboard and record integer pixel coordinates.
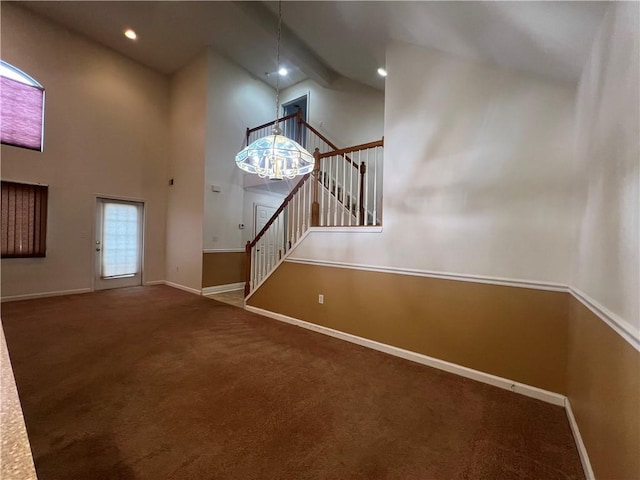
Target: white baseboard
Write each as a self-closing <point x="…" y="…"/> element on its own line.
<point x="504" y="383"/>
<point x="582" y="450"/>
<point x="223" y="250"/>
<point x="183" y="287"/>
<point x="229" y="287"/>
<point x="31" y="296"/>
<point x="155" y="282"/>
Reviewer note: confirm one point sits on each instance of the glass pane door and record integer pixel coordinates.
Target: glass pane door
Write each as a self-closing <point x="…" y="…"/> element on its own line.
<point x="118" y="244"/>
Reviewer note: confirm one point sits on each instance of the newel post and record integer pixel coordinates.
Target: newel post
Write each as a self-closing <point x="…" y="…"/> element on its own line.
<point x="363" y="170"/>
<point x="247" y="269"/>
<point x="315" y="206"/>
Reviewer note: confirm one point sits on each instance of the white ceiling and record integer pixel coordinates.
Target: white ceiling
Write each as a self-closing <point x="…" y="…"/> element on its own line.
<point x="324" y="39"/>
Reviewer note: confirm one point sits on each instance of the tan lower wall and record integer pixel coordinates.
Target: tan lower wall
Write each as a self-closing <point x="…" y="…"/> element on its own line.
<point x="604" y="391"/>
<point x="222" y="268"/>
<point x="516" y="333"/>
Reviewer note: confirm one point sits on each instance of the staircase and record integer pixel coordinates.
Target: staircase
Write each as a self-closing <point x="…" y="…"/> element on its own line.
<point x="344" y="190"/>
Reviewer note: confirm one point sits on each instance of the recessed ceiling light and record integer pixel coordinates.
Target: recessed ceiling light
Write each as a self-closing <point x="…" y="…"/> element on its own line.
<point x="130" y="34"/>
<point x="283" y="71"/>
<point x="382" y="72"/>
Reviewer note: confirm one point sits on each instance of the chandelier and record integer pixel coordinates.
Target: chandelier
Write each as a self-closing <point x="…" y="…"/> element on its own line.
<point x="275" y="156"/>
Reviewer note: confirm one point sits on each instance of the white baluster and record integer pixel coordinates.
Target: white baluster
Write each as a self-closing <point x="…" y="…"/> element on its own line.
<point x="304" y="207"/>
<point x="375" y="187"/>
<point x="350" y="192"/>
<point x="343" y="189"/>
<point x="366" y="190"/>
<point x="358" y="190"/>
<point x="323" y="166"/>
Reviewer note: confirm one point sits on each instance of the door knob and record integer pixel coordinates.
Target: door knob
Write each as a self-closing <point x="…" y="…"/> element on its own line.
<point x="97" y="249"/>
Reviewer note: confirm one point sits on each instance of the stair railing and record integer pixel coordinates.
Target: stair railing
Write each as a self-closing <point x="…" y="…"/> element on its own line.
<point x="285" y="227"/>
<point x="342" y="198"/>
<point x="318" y="199"/>
<point x="284" y="124"/>
<point x="293" y="126"/>
<point x="344" y="189"/>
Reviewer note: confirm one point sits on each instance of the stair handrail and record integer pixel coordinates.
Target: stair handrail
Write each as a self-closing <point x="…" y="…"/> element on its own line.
<point x="301" y="121"/>
<point x="317" y="155"/>
<point x="315" y="208"/>
<point x="330" y="143"/>
<point x="285" y="202"/>
<point x="252" y="243"/>
<point x="362" y="146"/>
<point x="264" y="125"/>
<point x="362" y="168"/>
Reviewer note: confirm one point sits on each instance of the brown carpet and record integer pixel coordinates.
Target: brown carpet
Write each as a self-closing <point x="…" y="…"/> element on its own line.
<point x="155" y="383"/>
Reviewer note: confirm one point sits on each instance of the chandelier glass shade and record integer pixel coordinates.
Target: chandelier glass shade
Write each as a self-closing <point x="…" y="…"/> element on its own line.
<point x="275" y="156"/>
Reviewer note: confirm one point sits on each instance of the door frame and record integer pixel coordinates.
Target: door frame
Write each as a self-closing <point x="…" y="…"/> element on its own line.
<point x="94" y="233"/>
<point x="306" y="96"/>
<point x="296" y="99"/>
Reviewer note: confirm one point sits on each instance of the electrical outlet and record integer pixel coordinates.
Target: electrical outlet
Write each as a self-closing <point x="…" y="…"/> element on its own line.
<point x="320" y="299"/>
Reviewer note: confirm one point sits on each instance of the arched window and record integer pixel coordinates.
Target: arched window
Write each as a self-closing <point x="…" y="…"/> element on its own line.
<point x="21" y="108"/>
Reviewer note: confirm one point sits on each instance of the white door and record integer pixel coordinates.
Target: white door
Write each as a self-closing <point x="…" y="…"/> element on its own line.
<point x="267" y="244"/>
<point x="118" y="244"/>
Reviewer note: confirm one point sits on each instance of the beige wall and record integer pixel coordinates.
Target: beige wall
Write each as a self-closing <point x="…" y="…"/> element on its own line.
<point x="106" y="133"/>
<point x="604" y="390"/>
<point x="235" y="101"/>
<point x="477" y="173"/>
<point x="223" y="268"/>
<point x="185" y="212"/>
<point x="606" y="260"/>
<point x="604" y="368"/>
<point x="516" y="333"/>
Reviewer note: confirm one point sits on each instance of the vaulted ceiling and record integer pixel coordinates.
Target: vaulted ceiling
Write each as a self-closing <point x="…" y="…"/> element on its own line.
<point x="322" y="40"/>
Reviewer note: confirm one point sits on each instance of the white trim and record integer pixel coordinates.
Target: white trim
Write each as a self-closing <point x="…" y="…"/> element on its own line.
<point x="345" y="229"/>
<point x="155" y="282"/>
<point x="504" y="383"/>
<point x="623" y="328"/>
<point x="182" y="287"/>
<point x="617" y="323"/>
<point x="229" y="287"/>
<point x="582" y="450"/>
<point x="121" y="198"/>
<point x="508" y="282"/>
<point x="223" y="250"/>
<point x="31" y="296"/>
<point x="284" y="258"/>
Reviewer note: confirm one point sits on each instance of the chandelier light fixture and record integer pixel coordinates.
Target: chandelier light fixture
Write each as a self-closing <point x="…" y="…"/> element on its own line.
<point x="275" y="156"/>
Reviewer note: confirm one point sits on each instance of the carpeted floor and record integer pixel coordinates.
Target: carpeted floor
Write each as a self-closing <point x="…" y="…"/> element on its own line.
<point x="155" y="383"/>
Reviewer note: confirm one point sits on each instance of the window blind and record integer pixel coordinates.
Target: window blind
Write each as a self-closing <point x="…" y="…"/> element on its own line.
<point x="21" y="114"/>
<point x="24" y="220"/>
